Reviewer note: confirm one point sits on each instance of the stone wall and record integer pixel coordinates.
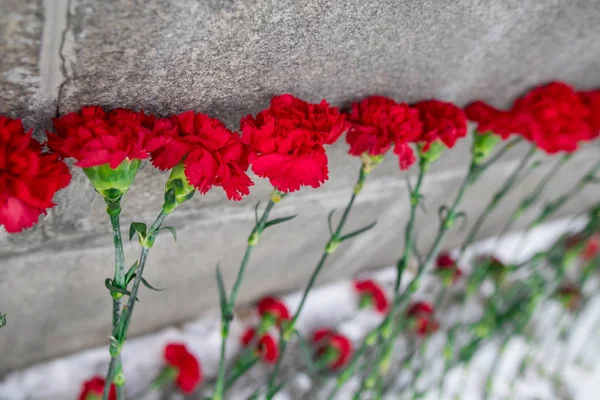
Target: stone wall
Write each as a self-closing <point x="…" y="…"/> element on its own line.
<point x="227" y="58"/>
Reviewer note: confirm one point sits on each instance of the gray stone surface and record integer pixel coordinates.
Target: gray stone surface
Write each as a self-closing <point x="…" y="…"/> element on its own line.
<point x="21" y="23"/>
<point x="227" y="58"/>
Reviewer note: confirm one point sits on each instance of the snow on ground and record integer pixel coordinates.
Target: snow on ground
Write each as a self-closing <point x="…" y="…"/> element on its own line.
<point x="575" y="360"/>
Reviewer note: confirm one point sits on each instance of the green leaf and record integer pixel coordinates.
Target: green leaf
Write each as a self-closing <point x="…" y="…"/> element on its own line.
<point x="109" y="285"/>
<point x="170" y="229"/>
<point x="279" y="220"/>
<point x="137" y="227"/>
<point x="120" y="330"/>
<point x="329" y="217"/>
<point x="149" y="286"/>
<point x="131" y="273"/>
<point x="222" y="292"/>
<point x="358" y="232"/>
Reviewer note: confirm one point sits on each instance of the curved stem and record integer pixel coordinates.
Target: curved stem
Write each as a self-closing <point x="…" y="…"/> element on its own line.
<point x="331" y="246"/>
<point x="228" y="313"/>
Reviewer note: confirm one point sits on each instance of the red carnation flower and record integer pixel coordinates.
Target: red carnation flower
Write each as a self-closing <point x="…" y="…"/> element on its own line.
<point x="377" y="122"/>
<point x="93" y="137"/>
<point x="554" y="117"/>
<point x="447" y="268"/>
<point x="189" y="374"/>
<point x="266" y="347"/>
<point x="287" y="141"/>
<point x="422" y="319"/>
<point x="591" y="249"/>
<point x="211" y="153"/>
<point x="591" y="99"/>
<point x="370" y="290"/>
<point x="570" y="297"/>
<point x="333" y="347"/>
<point x="275" y="308"/>
<point x="494" y="266"/>
<point x="93" y="388"/>
<point x="489" y="119"/>
<point x="441" y="121"/>
<point x="28" y="178"/>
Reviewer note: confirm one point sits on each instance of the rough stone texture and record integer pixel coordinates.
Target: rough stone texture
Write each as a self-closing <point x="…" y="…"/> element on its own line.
<point x="227" y="58"/>
<point x="21" y="25"/>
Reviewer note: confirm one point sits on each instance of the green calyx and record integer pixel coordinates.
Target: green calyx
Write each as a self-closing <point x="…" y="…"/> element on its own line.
<point x="93" y="396"/>
<point x="177" y="190"/>
<point x="370" y="162"/>
<point x="365" y="302"/>
<point x="483" y="144"/>
<point x="432" y="154"/>
<point x="112" y="184"/>
<point x="329" y="356"/>
<point x="266" y="322"/>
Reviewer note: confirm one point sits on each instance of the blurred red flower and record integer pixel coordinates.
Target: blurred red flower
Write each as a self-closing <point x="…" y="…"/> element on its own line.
<point x="554" y="117"/>
<point x="189" y="374"/>
<point x="93" y="388"/>
<point x="270" y="306"/>
<point x="374" y="292"/>
<point x="336" y="347"/>
<point x="266" y="345"/>
<point x="422" y="318"/>
<point x="447" y="268"/>
<point x="29" y="178"/>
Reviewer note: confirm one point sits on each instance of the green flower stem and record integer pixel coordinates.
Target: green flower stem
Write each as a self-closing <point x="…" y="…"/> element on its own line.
<point x="508" y="185"/>
<point x="535" y="194"/>
<point x="447" y="222"/>
<point x="120" y="331"/>
<point x="228" y="313"/>
<point x="415" y="199"/>
<point x="332" y="244"/>
<point x="114" y="210"/>
<point x="489" y="380"/>
<point x="553" y="206"/>
<point x="475" y="171"/>
<point x="239" y="371"/>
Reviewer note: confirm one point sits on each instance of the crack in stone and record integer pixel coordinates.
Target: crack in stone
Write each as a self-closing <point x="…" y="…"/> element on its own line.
<point x="63" y="59"/>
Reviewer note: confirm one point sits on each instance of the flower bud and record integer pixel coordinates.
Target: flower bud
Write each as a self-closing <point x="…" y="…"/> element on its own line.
<point x="119" y="379"/>
<point x="332" y="246"/>
<point x="177" y="190"/>
<point x="371" y="338"/>
<point x="112" y="184"/>
<point x="483" y="144"/>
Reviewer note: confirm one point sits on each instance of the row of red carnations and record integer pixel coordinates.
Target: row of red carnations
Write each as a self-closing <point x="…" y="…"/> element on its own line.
<point x="284" y="143"/>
